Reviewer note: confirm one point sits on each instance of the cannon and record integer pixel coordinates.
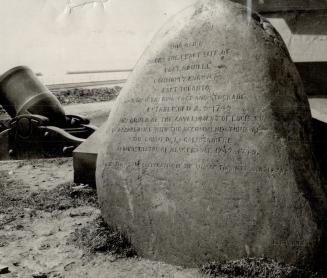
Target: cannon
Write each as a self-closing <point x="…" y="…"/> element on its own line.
<point x="39" y="127"/>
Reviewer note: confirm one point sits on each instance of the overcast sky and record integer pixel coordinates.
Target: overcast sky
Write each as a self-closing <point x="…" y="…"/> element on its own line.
<point x="53" y="36"/>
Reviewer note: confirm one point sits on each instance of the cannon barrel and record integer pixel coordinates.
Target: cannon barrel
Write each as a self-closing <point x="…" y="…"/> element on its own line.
<point x="21" y="92"/>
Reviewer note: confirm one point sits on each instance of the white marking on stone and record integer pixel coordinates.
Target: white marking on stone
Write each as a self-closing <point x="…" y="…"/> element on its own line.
<point x="249" y="10"/>
<point x="129" y="199"/>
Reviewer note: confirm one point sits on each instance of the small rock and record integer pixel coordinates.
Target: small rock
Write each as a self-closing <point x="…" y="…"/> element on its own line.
<point x="69" y="266"/>
<point x="3" y="243"/>
<point x="4" y="269"/>
<point x="64" y="204"/>
<point x="29" y="212"/>
<point x="44" y="246"/>
<point x="39" y="275"/>
<point x="48" y="233"/>
<point x="79" y="213"/>
<point x="57" y="275"/>
<point x="80" y="187"/>
<point x="19" y="227"/>
<point x="112" y="259"/>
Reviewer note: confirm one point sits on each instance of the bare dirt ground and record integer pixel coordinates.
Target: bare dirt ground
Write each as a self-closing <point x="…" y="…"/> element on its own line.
<point x="51" y="227"/>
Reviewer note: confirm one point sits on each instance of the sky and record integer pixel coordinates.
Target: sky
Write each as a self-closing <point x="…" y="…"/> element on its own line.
<point x="55" y="36"/>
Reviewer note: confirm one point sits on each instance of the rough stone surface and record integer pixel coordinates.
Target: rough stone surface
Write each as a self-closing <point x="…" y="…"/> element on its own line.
<point x="207" y="153"/>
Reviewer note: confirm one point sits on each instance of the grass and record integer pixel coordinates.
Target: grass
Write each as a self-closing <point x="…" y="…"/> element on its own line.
<point x="97" y="236"/>
<point x="80" y="95"/>
<point x="255" y="267"/>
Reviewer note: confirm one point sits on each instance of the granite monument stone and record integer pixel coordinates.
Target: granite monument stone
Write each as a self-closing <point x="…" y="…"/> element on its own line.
<point x="207" y="153"/>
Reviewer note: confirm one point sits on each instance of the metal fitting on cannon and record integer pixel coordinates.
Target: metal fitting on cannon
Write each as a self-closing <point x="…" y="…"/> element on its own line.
<point x="39" y="126"/>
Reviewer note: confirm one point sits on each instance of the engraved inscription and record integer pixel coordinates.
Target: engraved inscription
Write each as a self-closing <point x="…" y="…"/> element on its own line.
<point x="185" y="115"/>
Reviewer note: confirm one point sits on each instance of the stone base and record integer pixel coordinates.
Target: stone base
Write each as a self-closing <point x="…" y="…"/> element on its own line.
<point x="85" y="157"/>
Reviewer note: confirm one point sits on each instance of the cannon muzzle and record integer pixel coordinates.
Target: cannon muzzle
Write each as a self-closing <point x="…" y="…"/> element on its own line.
<point x="39" y="126"/>
<point x="22" y="93"/>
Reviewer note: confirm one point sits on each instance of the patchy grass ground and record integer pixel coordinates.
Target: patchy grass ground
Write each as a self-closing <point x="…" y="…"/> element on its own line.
<point x="51" y="227"/>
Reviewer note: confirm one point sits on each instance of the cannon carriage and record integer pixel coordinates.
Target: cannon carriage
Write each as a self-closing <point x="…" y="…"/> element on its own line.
<point x="39" y="126"/>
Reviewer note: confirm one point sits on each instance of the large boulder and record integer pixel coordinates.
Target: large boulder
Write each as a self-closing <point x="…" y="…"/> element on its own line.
<point x="207" y="154"/>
